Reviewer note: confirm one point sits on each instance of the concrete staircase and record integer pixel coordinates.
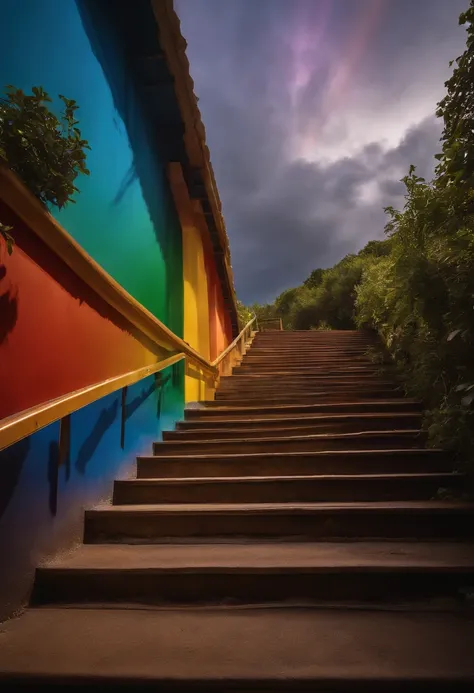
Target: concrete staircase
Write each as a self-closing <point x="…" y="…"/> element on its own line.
<point x="284" y="537"/>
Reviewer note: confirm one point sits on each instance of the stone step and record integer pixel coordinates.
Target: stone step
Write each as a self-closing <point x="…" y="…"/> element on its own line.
<point x="369" y="440"/>
<point x="362" y="348"/>
<point x="314" y="335"/>
<point x="212" y="408"/>
<point x="306" y="360"/>
<point x="297" y="336"/>
<point x="299" y="358"/>
<point x="311" y="424"/>
<point x="256" y="378"/>
<point x="284" y="372"/>
<point x="328" y="376"/>
<point x="279" y="428"/>
<point x="310" y="344"/>
<point x="386" y="420"/>
<point x="285" y="489"/>
<point x="356" y="345"/>
<point x="330" y="392"/>
<point x="186" y="574"/>
<point x="303" y="463"/>
<point x="303" y="521"/>
<point x="316" y="368"/>
<point x="253" y="381"/>
<point x="279" y="649"/>
<point x="284" y="397"/>
<point x="258" y="343"/>
<point x="322" y="397"/>
<point x="313" y="352"/>
<point x="333" y="381"/>
<point x="274" y="380"/>
<point x="308" y="357"/>
<point x="275" y="384"/>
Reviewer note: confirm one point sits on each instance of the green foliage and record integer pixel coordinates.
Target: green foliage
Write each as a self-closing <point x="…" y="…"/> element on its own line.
<point x="377" y="249"/>
<point x="457" y="110"/>
<point x="244" y="314"/>
<point x="314" y="279"/>
<point x="420" y="298"/>
<point x="46" y="152"/>
<point x="326" y="299"/>
<point x="263" y="312"/>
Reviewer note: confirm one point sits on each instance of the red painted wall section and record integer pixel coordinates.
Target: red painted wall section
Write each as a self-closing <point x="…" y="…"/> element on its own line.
<point x="56" y="334"/>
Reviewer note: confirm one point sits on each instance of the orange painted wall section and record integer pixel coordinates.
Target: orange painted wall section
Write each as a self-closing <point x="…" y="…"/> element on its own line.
<point x="56" y="334"/>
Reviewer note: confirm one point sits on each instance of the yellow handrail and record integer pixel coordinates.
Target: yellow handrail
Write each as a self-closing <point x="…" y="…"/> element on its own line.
<point x="28" y="421"/>
<point x="231" y="346"/>
<point x="18" y="426"/>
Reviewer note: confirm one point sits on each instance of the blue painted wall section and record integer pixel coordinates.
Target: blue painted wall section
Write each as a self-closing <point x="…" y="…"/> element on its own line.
<point x="42" y="504"/>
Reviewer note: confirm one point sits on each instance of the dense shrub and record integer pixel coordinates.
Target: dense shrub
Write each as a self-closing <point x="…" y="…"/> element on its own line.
<point x="46" y="152"/>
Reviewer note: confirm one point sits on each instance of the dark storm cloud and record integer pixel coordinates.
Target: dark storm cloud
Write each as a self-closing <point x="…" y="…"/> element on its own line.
<point x="368" y="74"/>
<point x="311" y="215"/>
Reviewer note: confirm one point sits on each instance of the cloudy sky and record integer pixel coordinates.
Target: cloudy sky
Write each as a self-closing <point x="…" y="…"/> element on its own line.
<point x="314" y="109"/>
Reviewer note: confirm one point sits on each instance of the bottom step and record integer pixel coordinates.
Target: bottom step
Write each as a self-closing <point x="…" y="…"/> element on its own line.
<point x="239" y="650"/>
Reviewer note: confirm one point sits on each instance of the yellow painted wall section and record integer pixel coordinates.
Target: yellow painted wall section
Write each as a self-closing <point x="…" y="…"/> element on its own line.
<point x="196" y="298"/>
<point x="196" y="309"/>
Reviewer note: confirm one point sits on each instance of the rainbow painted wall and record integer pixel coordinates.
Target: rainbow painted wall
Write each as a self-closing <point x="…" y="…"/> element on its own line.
<point x="56" y="334"/>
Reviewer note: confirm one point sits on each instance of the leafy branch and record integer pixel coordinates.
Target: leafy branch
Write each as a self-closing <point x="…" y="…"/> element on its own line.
<point x="46" y="152"/>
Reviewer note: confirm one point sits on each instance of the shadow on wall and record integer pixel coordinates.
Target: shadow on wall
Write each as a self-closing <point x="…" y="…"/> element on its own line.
<point x="90" y="444"/>
<point x="129" y="179"/>
<point x="105" y="24"/>
<point x="8" y="308"/>
<point x="11" y="465"/>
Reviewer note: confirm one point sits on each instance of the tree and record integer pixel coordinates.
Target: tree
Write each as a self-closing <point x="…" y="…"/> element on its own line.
<point x="314" y="279"/>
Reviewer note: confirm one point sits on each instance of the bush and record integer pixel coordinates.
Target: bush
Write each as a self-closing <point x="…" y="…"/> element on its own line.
<point x="46" y="152"/>
<point x="244" y="315"/>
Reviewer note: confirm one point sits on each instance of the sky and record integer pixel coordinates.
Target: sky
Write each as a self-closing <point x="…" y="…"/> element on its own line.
<point x="314" y="110"/>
